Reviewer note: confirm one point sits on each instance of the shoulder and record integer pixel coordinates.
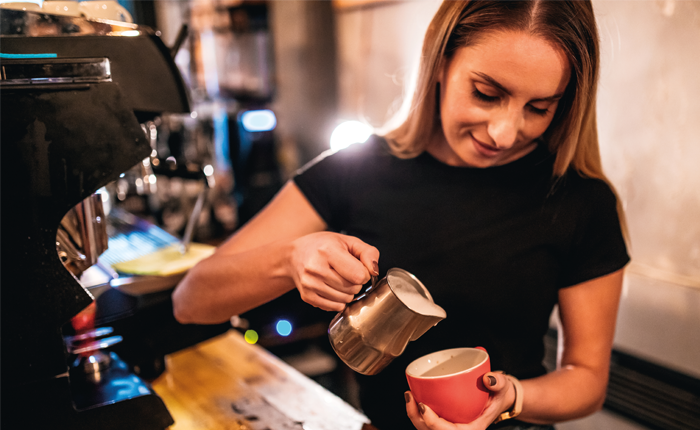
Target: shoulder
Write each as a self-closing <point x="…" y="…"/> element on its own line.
<point x="582" y="202"/>
<point x="589" y="203"/>
<point x="334" y="178"/>
<point x="375" y="146"/>
<point x="358" y="155"/>
<point x="584" y="189"/>
<point x="597" y="243"/>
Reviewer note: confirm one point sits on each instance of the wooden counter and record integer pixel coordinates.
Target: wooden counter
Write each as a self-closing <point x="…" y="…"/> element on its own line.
<point x="226" y="383"/>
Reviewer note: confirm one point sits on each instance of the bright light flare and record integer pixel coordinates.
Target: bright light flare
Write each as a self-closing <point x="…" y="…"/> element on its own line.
<point x="350" y="132"/>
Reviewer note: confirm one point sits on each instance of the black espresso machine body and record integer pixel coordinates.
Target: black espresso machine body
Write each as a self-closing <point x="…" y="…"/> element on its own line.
<point x="73" y="93"/>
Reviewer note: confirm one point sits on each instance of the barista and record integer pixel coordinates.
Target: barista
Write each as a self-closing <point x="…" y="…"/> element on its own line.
<point x="491" y="192"/>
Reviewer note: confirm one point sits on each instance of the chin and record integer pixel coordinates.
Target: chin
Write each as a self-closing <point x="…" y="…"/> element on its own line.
<point x="486" y="163"/>
<point x="478" y="161"/>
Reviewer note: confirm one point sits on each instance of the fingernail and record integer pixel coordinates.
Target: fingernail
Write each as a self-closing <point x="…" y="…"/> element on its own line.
<point x="407" y="396"/>
<point x="375" y="268"/>
<point x="492" y="380"/>
<point x="421" y="408"/>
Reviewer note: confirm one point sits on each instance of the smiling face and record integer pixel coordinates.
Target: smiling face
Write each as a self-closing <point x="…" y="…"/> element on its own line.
<point x="496" y="97"/>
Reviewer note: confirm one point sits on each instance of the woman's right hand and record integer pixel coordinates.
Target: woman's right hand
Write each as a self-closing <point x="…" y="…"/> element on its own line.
<point x="328" y="268"/>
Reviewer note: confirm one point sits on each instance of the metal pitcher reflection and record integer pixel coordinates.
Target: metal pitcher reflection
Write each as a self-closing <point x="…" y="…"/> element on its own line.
<point x="375" y="328"/>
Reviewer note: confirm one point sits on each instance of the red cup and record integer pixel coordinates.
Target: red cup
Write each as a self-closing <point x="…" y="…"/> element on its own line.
<point x="450" y="382"/>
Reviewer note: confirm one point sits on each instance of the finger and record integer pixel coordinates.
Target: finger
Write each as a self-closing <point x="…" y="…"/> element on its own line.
<point x="318" y="273"/>
<point x="349" y="268"/>
<point x="314" y="286"/>
<point x="498" y="400"/>
<point x="432" y="420"/>
<point x="335" y="296"/>
<point x="367" y="254"/>
<point x="413" y="412"/>
<point x="495" y="381"/>
<point x="323" y="303"/>
<point x="335" y="281"/>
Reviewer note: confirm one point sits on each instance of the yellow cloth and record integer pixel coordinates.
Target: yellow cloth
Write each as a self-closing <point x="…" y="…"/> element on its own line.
<point x="166" y="261"/>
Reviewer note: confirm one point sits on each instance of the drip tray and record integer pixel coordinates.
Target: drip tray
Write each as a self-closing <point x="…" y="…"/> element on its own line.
<point x="129" y="237"/>
<point x="139" y="285"/>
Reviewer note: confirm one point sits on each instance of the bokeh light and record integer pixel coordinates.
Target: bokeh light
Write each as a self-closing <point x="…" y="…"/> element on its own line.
<point x="251" y="336"/>
<point x="259" y="120"/>
<point x="284" y="327"/>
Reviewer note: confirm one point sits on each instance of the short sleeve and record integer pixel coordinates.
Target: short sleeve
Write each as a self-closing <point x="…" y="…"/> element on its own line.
<point x="319" y="185"/>
<point x="599" y="248"/>
<point x="329" y="180"/>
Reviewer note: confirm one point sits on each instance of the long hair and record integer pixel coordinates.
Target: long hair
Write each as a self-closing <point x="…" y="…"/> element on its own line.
<point x="570" y="25"/>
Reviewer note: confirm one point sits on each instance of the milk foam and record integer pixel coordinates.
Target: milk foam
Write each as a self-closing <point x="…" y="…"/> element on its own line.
<point x="410" y="296"/>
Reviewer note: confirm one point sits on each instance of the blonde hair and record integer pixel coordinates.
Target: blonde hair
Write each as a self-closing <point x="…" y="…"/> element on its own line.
<point x="573" y="134"/>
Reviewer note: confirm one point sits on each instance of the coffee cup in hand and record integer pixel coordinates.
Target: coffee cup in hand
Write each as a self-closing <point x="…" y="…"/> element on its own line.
<point x="451" y="383"/>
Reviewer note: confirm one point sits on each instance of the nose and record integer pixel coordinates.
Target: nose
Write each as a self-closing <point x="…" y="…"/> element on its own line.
<point x="504" y="127"/>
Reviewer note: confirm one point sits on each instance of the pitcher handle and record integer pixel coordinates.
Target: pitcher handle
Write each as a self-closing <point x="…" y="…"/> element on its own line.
<point x="367" y="290"/>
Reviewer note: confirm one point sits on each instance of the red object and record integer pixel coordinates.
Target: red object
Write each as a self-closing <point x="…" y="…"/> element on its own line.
<point x="451" y="382"/>
<point x="85" y="319"/>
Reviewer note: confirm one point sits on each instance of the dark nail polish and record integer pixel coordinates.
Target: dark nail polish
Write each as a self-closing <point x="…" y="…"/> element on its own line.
<point x="421" y="408"/>
<point x="492" y="380"/>
<point x="375" y="268"/>
<point x="407" y="396"/>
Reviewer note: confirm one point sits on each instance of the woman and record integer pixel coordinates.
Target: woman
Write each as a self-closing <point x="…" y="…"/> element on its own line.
<point x="491" y="192"/>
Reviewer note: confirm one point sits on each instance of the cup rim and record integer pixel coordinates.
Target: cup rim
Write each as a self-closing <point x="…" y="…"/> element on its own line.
<point x="443" y="351"/>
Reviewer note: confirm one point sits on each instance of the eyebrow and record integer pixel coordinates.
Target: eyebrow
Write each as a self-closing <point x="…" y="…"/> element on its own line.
<point x="498" y="85"/>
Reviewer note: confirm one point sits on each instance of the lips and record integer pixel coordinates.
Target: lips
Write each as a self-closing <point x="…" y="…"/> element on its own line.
<point x="484" y="149"/>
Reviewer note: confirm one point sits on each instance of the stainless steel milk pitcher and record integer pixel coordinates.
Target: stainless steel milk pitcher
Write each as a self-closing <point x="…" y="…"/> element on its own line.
<point x="375" y="328"/>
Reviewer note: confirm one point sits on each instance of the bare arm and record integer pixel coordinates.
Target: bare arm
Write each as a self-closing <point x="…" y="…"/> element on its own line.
<point x="283" y="247"/>
<point x="577" y="388"/>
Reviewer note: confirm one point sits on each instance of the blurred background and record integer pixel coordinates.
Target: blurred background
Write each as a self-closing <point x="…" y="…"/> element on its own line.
<point x="270" y="81"/>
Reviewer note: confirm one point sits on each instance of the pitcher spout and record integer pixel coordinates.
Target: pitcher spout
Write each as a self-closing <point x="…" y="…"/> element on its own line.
<point x="375" y="328"/>
<point x="425" y="325"/>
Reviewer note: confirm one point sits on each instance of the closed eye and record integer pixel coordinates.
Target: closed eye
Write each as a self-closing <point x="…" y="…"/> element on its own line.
<point x="493" y="99"/>
<point x="538" y="111"/>
<point x="483" y="97"/>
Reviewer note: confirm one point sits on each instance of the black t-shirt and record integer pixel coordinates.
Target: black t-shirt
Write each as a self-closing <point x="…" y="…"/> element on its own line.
<point x="484" y="241"/>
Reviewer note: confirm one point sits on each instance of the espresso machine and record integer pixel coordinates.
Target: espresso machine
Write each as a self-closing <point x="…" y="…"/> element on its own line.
<point x="74" y="93"/>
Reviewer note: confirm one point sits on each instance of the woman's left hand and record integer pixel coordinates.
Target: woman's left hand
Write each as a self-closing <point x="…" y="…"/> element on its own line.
<point x="501" y="399"/>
